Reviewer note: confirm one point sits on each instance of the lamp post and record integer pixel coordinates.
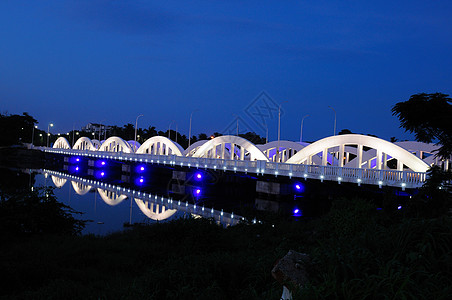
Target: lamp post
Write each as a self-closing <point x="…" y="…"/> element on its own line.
<point x="334" y="133"/>
<point x="176" y="132"/>
<point x="266" y="132"/>
<point x="48" y="133"/>
<point x="169" y="129"/>
<point x="189" y="128"/>
<point x="301" y="128"/>
<point x="237" y="119"/>
<point x="135" y="140"/>
<point x="279" y="129"/>
<point x="33" y="135"/>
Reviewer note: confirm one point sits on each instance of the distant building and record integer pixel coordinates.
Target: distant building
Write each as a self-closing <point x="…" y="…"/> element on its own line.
<point x="97" y="128"/>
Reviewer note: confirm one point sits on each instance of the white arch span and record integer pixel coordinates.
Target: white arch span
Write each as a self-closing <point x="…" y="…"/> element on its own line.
<point x="287" y="149"/>
<point x="58" y="182"/>
<point x="84" y="143"/>
<point x="153" y="210"/>
<point x="61" y="143"/>
<point x="111" y="198"/>
<point x="80" y="188"/>
<point x="383" y="149"/>
<point x="160" y="145"/>
<point x="239" y="149"/>
<point x="115" y="144"/>
<point x="194" y="147"/>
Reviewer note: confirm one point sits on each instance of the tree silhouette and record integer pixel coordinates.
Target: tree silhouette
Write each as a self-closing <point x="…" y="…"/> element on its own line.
<point x="429" y="117"/>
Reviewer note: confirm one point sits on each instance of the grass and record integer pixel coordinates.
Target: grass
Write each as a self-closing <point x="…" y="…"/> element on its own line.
<point x="358" y="253"/>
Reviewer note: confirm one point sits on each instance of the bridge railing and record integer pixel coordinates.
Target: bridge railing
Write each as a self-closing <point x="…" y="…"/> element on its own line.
<point x="335" y="173"/>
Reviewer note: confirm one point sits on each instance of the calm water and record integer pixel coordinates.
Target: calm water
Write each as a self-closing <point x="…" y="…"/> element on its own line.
<point x="112" y="194"/>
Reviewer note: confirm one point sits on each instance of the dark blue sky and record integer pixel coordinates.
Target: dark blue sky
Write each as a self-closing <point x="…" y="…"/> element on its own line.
<point x="108" y="61"/>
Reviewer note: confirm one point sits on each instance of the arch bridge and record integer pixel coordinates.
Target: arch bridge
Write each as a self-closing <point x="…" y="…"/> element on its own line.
<point x="353" y="158"/>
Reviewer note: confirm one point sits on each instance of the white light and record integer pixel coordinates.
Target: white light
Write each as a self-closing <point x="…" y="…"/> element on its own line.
<point x="359" y="180"/>
<point x="339" y="178"/>
<point x="305" y="175"/>
<point x="380" y="182"/>
<point x="404" y="184"/>
<point x="321" y="176"/>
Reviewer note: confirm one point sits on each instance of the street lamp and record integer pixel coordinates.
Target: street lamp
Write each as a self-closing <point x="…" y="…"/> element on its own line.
<point x="33" y="135"/>
<point x="334" y="133"/>
<point x="169" y="129"/>
<point x="237" y="119"/>
<point x="279" y="129"/>
<point x="48" y="133"/>
<point x="136" y="124"/>
<point x="301" y="129"/>
<point x="189" y="129"/>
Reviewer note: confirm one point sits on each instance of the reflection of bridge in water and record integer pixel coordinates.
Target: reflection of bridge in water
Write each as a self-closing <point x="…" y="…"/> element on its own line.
<point x="351" y="158"/>
<point x="155" y="207"/>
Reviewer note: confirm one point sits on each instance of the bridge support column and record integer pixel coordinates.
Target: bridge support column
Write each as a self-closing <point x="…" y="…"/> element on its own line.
<point x="378" y="160"/>
<point x="360" y="156"/>
<point x="232" y="151"/>
<point x="242" y="153"/>
<point x="223" y="149"/>
<point x="341" y="155"/>
<point x="324" y="157"/>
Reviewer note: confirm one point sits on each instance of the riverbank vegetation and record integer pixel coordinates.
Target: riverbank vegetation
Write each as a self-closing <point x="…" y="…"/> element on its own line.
<point x="359" y="252"/>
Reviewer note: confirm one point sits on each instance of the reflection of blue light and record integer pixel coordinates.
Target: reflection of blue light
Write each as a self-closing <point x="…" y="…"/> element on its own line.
<point x="140" y="168"/>
<point x="102" y="163"/>
<point x="399" y="207"/>
<point x="100" y="174"/>
<point x="197" y="192"/>
<point x="299" y="187"/>
<point x="141" y="180"/>
<point x="297" y="212"/>
<point x="77" y="159"/>
<point x="76" y="168"/>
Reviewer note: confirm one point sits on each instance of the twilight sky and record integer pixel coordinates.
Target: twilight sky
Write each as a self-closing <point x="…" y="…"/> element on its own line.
<point x="74" y="62"/>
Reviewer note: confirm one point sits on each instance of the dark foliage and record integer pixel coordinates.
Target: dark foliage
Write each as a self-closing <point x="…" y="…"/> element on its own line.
<point x="429" y="117"/>
<point x="36" y="212"/>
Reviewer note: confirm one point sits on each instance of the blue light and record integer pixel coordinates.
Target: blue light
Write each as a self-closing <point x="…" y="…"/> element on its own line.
<point x="140" y="168"/>
<point x="299" y="187"/>
<point x="198" y="176"/>
<point x="102" y="163"/>
<point x="102" y="174"/>
<point x="297" y="212"/>
<point x="399" y="207"/>
<point x="198" y="191"/>
<point x="76" y="168"/>
<point x="77" y="159"/>
<point x="141" y="180"/>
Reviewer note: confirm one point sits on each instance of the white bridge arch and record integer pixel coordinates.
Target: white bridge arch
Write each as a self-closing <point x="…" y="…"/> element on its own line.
<point x="160" y="145"/>
<point x="115" y="144"/>
<point x="80" y="188"/>
<point x="61" y="143"/>
<point x="230" y="147"/>
<point x="153" y="210"/>
<point x="338" y="144"/>
<point x="111" y="198"/>
<point x="84" y="143"/>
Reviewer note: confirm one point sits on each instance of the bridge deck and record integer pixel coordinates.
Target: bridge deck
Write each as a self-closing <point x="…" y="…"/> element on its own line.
<point x="402" y="179"/>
